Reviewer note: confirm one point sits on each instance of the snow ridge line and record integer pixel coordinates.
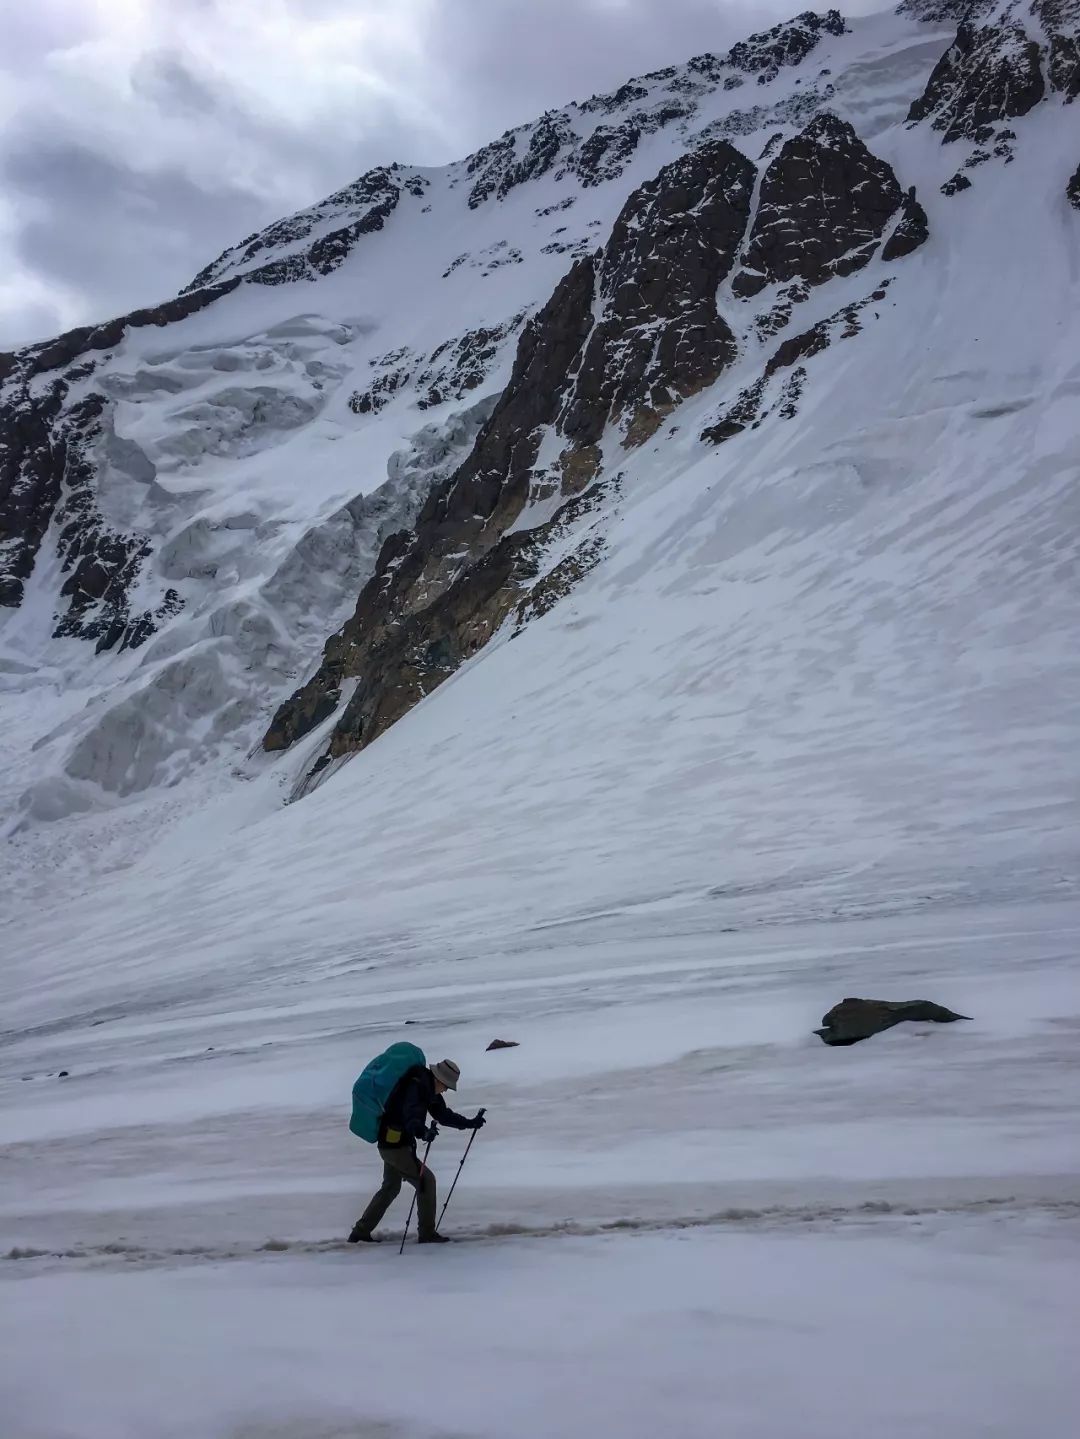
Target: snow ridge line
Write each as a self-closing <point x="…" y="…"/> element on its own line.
<point x="772" y="1216"/>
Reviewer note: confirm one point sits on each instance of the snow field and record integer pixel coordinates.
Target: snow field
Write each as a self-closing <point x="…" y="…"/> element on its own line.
<point x="808" y="730"/>
<point x="898" y="1335"/>
<point x="685" y="1211"/>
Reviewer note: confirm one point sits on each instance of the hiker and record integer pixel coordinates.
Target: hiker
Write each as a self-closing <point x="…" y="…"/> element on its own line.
<point x="418" y="1093"/>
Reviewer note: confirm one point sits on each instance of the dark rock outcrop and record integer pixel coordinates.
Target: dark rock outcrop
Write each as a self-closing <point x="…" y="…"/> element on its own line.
<point x="604" y="154"/>
<point x="466" y="514"/>
<point x="629" y="333"/>
<point x="662" y="337"/>
<point x="600" y="153"/>
<point x="502" y="1044"/>
<point x="1060" y="20"/>
<point x="550" y="137"/>
<point x="911" y="231"/>
<point x="1072" y="189"/>
<point x="450" y="372"/>
<point x="776" y="317"/>
<point x="47" y="446"/>
<point x="442" y="591"/>
<point x="34" y="444"/>
<point x="389" y="378"/>
<point x="23" y="365"/>
<point x="1064" y="66"/>
<point x="490" y="165"/>
<point x="618" y="99"/>
<point x="368" y="201"/>
<point x="594" y="158"/>
<point x="327" y="252"/>
<point x="403" y="654"/>
<point x="995" y="71"/>
<point x="944" y="12"/>
<point x="853" y="1020"/>
<point x="32" y="461"/>
<point x="956" y="184"/>
<point x="825" y="202"/>
<point x="459" y="366"/>
<point x="753" y="404"/>
<point x="788" y="43"/>
<point x="100" y="564"/>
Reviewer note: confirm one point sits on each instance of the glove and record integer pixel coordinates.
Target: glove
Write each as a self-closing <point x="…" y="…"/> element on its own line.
<point x="478" y="1122"/>
<point x="430" y="1133"/>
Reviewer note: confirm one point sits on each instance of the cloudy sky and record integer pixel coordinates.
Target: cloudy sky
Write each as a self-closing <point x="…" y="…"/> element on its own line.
<point x="139" y="138"/>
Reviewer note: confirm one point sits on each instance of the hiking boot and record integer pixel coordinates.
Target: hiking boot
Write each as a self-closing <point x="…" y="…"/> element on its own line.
<point x="358" y="1236"/>
<point x="434" y="1239"/>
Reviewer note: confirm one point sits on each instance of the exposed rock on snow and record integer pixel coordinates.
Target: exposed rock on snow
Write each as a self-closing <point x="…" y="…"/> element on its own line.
<point x="366" y="205"/>
<point x="550" y="136"/>
<point x="402" y="661"/>
<point x="854" y="1019"/>
<point x="1072" y="189"/>
<point x="461" y="520"/>
<point x="449" y="372"/>
<point x="493" y="163"/>
<point x="413" y="569"/>
<point x="102" y="567"/>
<point x="33" y="442"/>
<point x="503" y="1044"/>
<point x="659" y="337"/>
<point x="555" y="141"/>
<point x="766" y="394"/>
<point x="187" y="705"/>
<point x="987" y="75"/>
<point x="999" y="70"/>
<point x="939" y="12"/>
<point x="32" y="461"/>
<point x="604" y="155"/>
<point x="825" y="203"/>
<point x="628" y="334"/>
<point x="763" y="54"/>
<point x="911" y="231"/>
<point x="659" y="340"/>
<point x="560" y="142"/>
<point x="955" y="184"/>
<point x="1061" y="22"/>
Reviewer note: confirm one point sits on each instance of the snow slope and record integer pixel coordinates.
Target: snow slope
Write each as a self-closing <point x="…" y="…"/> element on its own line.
<point x="771" y="1334"/>
<point x="233" y="439"/>
<point x="806" y="728"/>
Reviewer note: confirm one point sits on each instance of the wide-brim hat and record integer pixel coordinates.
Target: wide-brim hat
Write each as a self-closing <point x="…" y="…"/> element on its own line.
<point x="446" y="1072"/>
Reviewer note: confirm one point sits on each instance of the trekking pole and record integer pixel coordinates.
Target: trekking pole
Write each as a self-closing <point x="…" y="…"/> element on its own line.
<point x="457" y="1176"/>
<point x="412" y="1206"/>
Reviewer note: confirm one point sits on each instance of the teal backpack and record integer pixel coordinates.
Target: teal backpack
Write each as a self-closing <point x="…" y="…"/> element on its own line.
<point x="374" y="1087"/>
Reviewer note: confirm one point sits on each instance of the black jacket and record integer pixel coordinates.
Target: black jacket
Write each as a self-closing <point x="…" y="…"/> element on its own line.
<point x="411" y="1100"/>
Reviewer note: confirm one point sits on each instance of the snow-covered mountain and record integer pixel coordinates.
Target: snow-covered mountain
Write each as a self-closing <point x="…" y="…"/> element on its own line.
<point x="738" y="404"/>
<point x="194" y="495"/>
<point x="617" y="593"/>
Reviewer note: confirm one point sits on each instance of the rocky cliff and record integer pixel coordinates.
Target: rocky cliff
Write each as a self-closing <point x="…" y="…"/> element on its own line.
<point x="627" y="335"/>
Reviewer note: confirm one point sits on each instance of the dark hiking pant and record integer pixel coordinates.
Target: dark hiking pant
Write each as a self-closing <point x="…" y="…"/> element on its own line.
<point x="399" y="1164"/>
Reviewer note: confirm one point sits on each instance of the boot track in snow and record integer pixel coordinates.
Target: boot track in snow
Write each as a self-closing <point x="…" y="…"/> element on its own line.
<point x="771" y="1217"/>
